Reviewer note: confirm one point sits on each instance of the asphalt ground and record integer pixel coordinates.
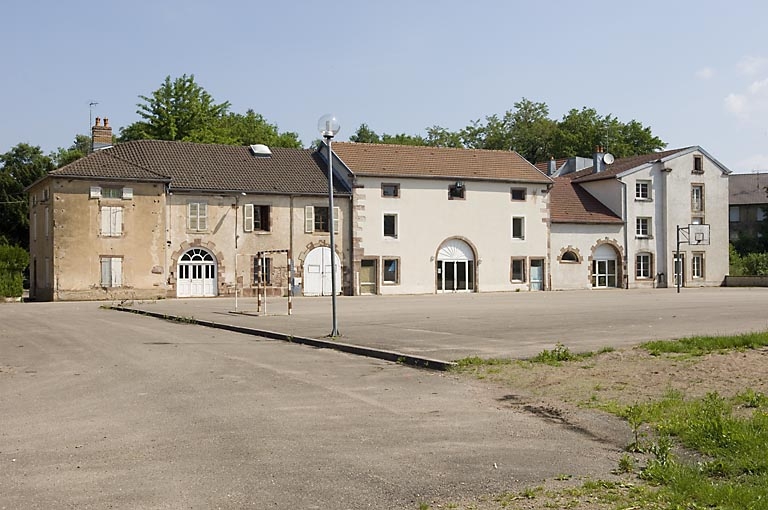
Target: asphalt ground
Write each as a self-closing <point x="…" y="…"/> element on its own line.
<point x="452" y="326"/>
<point x="103" y="409"/>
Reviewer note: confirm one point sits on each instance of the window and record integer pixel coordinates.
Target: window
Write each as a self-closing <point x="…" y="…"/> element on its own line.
<point x="456" y="191"/>
<point x="390" y="190"/>
<point x="111" y="221"/>
<point x="733" y="214"/>
<point x="518" y="194"/>
<point x="698" y="165"/>
<point x="697" y="265"/>
<point x="697" y="198"/>
<point x="643" y="227"/>
<point x="643" y="267"/>
<point x="390" y="225"/>
<point x="197" y="216"/>
<point x="47" y="219"/>
<point x="518" y="271"/>
<point x="256" y="218"/>
<point x="697" y="220"/>
<point x="34" y="226"/>
<point x="111" y="271"/>
<point x="569" y="256"/>
<point x="391" y="271"/>
<point x="518" y="227"/>
<point x="761" y="214"/>
<point x="111" y="192"/>
<point x="643" y="190"/>
<point x="265" y="264"/>
<point x="316" y="219"/>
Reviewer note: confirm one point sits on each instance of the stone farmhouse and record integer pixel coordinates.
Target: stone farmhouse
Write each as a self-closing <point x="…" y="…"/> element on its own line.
<point x="150" y="219"/>
<point x="154" y="218"/>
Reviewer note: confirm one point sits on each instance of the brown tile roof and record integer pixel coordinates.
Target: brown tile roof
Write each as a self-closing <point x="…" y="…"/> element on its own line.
<point x="418" y="161"/>
<point x="621" y="165"/>
<point x="746" y="189"/>
<point x="207" y="167"/>
<point x="570" y="203"/>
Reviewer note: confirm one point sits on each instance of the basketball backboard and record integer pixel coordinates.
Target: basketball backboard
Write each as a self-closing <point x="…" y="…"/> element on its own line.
<point x="698" y="234"/>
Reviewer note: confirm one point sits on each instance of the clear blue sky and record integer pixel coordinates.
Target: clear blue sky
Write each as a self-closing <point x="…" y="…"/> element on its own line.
<point x="695" y="71"/>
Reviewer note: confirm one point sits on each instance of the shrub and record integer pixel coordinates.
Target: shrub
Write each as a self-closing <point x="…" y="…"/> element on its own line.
<point x="13" y="261"/>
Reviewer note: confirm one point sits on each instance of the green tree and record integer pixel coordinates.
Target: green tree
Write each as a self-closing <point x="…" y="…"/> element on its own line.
<point x="252" y="128"/>
<point x="21" y="166"/>
<point x="364" y="134"/>
<point x="79" y="149"/>
<point x="179" y="110"/>
<point x="441" y="137"/>
<point x="580" y="131"/>
<point x="527" y="129"/>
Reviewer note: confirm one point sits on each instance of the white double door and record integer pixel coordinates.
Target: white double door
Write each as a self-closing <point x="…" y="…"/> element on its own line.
<point x="318" y="270"/>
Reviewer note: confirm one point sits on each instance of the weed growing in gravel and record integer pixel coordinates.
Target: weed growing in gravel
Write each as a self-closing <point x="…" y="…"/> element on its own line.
<point x="700" y="345"/>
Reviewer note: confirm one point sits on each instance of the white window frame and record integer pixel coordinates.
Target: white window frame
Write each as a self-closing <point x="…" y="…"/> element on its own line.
<point x="111" y="269"/>
<point x="309" y="219"/>
<point x="111" y="221"/>
<point x="643" y="190"/>
<point x="734" y="214"/>
<point x="395" y="226"/>
<point x="523" y="265"/>
<point x="521" y="234"/>
<point x="697" y="202"/>
<point x="512" y="194"/>
<point x="640" y="232"/>
<point x="384" y="272"/>
<point x="697" y="265"/>
<point x="197" y="216"/>
<point x="644" y="270"/>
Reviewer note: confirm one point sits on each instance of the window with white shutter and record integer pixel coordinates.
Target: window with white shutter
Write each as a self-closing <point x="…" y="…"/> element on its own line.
<point x="197" y="216"/>
<point x="95" y="192"/>
<point x="309" y="219"/>
<point x="127" y="193"/>
<point x="248" y="217"/>
<point x="111" y="221"/>
<point x="111" y="271"/>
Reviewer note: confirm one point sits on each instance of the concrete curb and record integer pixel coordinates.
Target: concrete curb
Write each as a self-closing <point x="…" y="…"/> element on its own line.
<point x="395" y="357"/>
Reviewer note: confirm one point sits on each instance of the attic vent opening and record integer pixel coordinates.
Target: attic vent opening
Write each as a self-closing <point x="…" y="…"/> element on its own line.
<point x="261" y="151"/>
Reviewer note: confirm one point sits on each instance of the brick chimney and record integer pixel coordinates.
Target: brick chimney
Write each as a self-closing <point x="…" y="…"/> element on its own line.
<point x="101" y="136"/>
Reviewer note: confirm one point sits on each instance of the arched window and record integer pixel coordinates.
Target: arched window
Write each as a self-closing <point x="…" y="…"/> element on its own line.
<point x="569" y="256"/>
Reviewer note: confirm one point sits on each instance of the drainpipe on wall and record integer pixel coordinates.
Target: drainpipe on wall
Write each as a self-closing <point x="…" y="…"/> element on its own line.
<point x="626" y="231"/>
<point x="292" y="268"/>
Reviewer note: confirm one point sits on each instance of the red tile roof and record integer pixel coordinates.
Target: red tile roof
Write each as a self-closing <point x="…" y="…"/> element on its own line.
<point x="420" y="161"/>
<point x="570" y="203"/>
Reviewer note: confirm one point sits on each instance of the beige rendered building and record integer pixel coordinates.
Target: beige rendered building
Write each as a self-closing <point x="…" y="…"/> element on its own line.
<point x="149" y="219"/>
<point x="440" y="220"/>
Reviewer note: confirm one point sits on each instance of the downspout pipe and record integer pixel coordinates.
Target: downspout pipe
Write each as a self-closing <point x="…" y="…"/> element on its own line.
<point x="626" y="231"/>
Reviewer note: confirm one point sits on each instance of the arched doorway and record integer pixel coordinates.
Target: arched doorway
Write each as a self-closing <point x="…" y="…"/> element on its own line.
<point x="605" y="267"/>
<point x="317" y="272"/>
<point x="455" y="267"/>
<point x="196" y="274"/>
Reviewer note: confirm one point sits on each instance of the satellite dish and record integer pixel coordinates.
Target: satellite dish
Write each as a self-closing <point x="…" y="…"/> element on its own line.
<point x="608" y="158"/>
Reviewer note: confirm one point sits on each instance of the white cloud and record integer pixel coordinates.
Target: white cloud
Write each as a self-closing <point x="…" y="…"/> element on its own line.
<point x="736" y="104"/>
<point x="752" y="103"/>
<point x="750" y="65"/>
<point x="705" y="73"/>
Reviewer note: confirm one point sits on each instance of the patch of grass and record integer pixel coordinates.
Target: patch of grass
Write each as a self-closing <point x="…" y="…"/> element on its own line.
<point x="700" y="345"/>
<point x="752" y="399"/>
<point x="555" y="356"/>
<point x="476" y="361"/>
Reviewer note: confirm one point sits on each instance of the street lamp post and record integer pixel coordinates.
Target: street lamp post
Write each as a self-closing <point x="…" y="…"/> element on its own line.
<point x="328" y="126"/>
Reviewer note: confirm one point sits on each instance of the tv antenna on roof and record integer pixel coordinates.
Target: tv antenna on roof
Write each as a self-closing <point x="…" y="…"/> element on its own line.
<point x="90" y="113"/>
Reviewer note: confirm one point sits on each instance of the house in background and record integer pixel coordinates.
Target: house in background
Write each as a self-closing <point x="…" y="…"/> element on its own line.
<point x="153" y="218"/>
<point x="437" y="220"/>
<point x="748" y="205"/>
<point x="615" y="224"/>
